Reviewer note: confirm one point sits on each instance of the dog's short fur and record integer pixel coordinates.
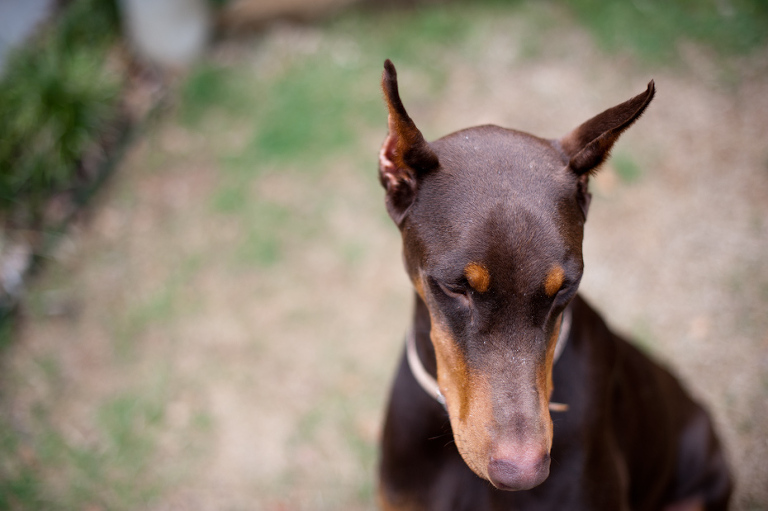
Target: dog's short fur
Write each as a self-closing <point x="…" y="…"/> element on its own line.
<point x="492" y="222"/>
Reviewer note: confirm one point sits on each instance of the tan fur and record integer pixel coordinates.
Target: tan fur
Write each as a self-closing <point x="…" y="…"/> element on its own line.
<point x="545" y="385"/>
<point x="473" y="427"/>
<point x="467" y="398"/>
<point x="418" y="286"/>
<point x="554" y="280"/>
<point x="478" y="277"/>
<point x="452" y="372"/>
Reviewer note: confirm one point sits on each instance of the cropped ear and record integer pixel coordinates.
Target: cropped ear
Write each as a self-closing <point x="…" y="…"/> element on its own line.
<point x="589" y="145"/>
<point x="405" y="155"/>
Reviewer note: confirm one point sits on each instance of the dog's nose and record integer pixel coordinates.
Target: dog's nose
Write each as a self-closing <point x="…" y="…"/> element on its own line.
<point x="522" y="473"/>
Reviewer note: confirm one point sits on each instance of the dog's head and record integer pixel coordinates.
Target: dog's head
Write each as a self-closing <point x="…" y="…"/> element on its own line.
<point x="492" y="223"/>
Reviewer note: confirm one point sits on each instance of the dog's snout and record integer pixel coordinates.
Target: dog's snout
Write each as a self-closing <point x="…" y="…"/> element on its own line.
<point x="518" y="473"/>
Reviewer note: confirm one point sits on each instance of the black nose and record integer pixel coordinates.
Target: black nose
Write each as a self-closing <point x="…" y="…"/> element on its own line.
<point x="522" y="474"/>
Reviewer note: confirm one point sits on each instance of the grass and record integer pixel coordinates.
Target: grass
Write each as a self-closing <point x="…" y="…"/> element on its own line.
<point x="626" y="167"/>
<point x="653" y="29"/>
<point x="307" y="115"/>
<point x="338" y="413"/>
<point x="208" y="87"/>
<point x="115" y="472"/>
<point x="305" y="111"/>
<point x="20" y="485"/>
<point x="262" y="245"/>
<point x="162" y="305"/>
<point x="56" y="96"/>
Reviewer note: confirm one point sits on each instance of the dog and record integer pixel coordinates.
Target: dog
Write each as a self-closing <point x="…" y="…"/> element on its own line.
<point x="512" y="393"/>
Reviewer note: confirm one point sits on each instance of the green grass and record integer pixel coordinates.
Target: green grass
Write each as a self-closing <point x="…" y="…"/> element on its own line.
<point x="20" y="484"/>
<point x="56" y="96"/>
<point x="117" y="473"/>
<point x="113" y="473"/>
<point x="7" y="322"/>
<point x="166" y="302"/>
<point x="210" y="87"/>
<point x="312" y="111"/>
<point x="338" y="413"/>
<point x="230" y="198"/>
<point x="265" y="231"/>
<point x="265" y="223"/>
<point x="653" y="28"/>
<point x="626" y="167"/>
<point x="306" y="115"/>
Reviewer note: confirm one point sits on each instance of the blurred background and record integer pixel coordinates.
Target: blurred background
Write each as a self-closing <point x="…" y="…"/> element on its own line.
<point x="202" y="295"/>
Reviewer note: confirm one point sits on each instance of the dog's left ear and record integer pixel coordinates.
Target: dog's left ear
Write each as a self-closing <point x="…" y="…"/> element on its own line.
<point x="405" y="155"/>
<point x="590" y="144"/>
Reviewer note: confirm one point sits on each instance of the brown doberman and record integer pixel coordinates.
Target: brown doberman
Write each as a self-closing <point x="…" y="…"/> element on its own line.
<point x="512" y="393"/>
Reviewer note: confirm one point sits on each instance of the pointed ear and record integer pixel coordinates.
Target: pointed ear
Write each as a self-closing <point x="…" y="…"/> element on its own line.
<point x="589" y="145"/>
<point x="405" y="155"/>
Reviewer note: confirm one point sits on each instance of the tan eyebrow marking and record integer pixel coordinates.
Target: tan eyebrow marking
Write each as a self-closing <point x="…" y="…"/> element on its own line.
<point x="554" y="280"/>
<point x="478" y="277"/>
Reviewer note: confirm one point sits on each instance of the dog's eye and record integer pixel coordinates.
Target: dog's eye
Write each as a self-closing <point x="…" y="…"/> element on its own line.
<point x="454" y="291"/>
<point x="565" y="293"/>
<point x="450" y="290"/>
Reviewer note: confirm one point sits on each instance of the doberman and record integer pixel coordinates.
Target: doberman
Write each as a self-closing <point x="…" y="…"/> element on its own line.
<point x="512" y="393"/>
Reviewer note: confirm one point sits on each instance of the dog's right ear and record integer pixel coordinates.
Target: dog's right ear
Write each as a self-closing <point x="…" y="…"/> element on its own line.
<point x="405" y="155"/>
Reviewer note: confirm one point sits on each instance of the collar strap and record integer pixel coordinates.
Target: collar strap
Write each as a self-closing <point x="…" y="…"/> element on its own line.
<point x="426" y="380"/>
<point x="429" y="383"/>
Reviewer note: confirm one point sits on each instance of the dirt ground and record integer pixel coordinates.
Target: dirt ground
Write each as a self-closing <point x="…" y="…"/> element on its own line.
<point x="178" y="372"/>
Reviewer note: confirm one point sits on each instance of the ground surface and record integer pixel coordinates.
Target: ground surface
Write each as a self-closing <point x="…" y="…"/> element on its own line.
<point x="220" y="329"/>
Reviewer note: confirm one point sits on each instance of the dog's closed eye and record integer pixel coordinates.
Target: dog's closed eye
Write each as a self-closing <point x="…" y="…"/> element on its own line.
<point x="455" y="291"/>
